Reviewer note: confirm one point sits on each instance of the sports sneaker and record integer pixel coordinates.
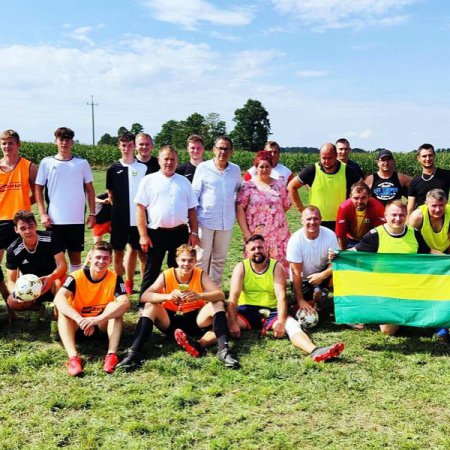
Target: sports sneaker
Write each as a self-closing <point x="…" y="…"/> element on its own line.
<point x="133" y="359"/>
<point x="75" y="366"/>
<point x="323" y="353"/>
<point x="128" y="287"/>
<point x="225" y="356"/>
<point x="111" y="360"/>
<point x="191" y="346"/>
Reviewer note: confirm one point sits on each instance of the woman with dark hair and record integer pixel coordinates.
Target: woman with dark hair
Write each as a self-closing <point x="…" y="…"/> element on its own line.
<point x="261" y="206"/>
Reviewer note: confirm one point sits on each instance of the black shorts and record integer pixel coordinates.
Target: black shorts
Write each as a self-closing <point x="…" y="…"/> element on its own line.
<point x="7" y="233"/>
<point x="69" y="237"/>
<point x="254" y="320"/>
<point x="123" y="235"/>
<point x="187" y="322"/>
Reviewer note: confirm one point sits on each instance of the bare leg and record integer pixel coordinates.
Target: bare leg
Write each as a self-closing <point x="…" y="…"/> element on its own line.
<point x="67" y="328"/>
<point x="130" y="263"/>
<point x="118" y="262"/>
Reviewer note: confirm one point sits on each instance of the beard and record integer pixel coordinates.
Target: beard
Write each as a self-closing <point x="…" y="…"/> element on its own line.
<point x="259" y="258"/>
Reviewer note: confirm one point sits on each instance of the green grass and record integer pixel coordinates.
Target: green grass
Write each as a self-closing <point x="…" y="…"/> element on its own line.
<point x="383" y="393"/>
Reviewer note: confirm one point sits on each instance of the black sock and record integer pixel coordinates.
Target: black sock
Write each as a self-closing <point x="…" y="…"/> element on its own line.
<point x="220" y="327"/>
<point x="143" y="331"/>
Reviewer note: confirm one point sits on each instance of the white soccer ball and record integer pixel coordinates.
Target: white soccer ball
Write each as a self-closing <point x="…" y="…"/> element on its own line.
<point x="307" y="319"/>
<point x="28" y="288"/>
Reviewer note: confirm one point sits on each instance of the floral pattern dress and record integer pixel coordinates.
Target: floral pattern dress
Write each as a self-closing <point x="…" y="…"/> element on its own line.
<point x="264" y="211"/>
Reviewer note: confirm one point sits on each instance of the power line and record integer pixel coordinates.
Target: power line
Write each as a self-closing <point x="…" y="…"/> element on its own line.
<point x="92" y="104"/>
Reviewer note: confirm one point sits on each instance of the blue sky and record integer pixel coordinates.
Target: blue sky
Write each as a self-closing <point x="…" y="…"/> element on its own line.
<point x="374" y="71"/>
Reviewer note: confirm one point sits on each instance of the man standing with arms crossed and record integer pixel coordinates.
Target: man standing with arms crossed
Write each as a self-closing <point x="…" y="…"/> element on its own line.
<point x="68" y="180"/>
<point x="329" y="182"/>
<point x="216" y="183"/>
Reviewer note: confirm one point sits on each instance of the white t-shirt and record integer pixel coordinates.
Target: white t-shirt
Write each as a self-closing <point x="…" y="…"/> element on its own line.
<point x="136" y="172"/>
<point x="167" y="199"/>
<point x="312" y="253"/>
<point x="279" y="172"/>
<point x="65" y="182"/>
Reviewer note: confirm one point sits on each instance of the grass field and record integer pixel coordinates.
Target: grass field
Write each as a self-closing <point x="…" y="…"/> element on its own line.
<point x="383" y="393"/>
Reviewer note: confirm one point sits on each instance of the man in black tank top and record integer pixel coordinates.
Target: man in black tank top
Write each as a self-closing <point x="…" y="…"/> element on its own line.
<point x="387" y="184"/>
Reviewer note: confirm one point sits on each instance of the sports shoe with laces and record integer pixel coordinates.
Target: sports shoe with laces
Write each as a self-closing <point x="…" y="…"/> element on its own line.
<point x="224" y="355"/>
<point x="75" y="366"/>
<point x="190" y="345"/>
<point x="324" y="353"/>
<point x="133" y="359"/>
<point x="111" y="361"/>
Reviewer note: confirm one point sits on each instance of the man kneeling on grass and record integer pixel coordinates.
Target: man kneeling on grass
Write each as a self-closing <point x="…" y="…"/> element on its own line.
<point x="92" y="297"/>
<point x="182" y="301"/>
<point x="259" y="283"/>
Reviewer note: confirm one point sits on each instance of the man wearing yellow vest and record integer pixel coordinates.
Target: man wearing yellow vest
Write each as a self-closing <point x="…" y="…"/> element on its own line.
<point x="329" y="182"/>
<point x="259" y="283"/>
<point x="393" y="237"/>
<point x="17" y="177"/>
<point x="92" y="297"/>
<point x="433" y="220"/>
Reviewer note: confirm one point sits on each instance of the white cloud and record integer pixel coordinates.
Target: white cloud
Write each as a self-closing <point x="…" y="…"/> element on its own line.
<point x="81" y="34"/>
<point x="190" y="13"/>
<point x="225" y="37"/>
<point x="324" y="14"/>
<point x="310" y="73"/>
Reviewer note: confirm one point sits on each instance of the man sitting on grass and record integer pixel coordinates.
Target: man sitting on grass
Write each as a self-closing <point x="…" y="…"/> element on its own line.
<point x="34" y="252"/>
<point x="92" y="297"/>
<point x="260" y="283"/>
<point x="182" y="301"/>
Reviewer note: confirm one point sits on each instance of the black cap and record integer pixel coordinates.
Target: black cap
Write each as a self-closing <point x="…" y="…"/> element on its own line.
<point x="384" y="153"/>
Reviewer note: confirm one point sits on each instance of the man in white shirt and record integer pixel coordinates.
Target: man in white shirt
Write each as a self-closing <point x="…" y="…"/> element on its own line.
<point x="68" y="181"/>
<point x="279" y="171"/>
<point x="170" y="203"/>
<point x="122" y="181"/>
<point x="307" y="253"/>
<point x="216" y="183"/>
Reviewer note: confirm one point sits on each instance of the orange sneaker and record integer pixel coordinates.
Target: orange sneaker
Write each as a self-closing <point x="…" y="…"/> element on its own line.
<point x="111" y="360"/>
<point x="75" y="366"/>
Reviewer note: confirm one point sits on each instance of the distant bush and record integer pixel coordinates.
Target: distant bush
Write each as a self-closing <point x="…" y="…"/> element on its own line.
<point x="102" y="156"/>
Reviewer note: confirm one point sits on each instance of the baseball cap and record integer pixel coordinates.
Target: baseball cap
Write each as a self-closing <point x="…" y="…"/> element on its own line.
<point x="384" y="153"/>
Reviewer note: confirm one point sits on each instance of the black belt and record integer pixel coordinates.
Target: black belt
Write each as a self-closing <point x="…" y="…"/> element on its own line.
<point x="173" y="228"/>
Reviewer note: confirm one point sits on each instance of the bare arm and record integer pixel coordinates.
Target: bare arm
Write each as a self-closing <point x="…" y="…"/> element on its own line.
<point x="62" y="303"/>
<point x="90" y="194"/>
<point x="236" y="285"/>
<point x="60" y="270"/>
<point x="411" y="206"/>
<point x="297" y="283"/>
<point x="32" y="174"/>
<point x="342" y="242"/>
<point x="294" y="185"/>
<point x="193" y="226"/>
<point x="212" y="292"/>
<point x="369" y="181"/>
<point x="279" y="285"/>
<point x="416" y="219"/>
<point x="11" y="278"/>
<point x="39" y="196"/>
<point x="405" y="180"/>
<point x="242" y="221"/>
<point x="153" y="293"/>
<point x="141" y="222"/>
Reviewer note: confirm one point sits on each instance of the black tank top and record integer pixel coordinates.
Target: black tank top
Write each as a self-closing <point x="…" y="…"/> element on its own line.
<point x="386" y="189"/>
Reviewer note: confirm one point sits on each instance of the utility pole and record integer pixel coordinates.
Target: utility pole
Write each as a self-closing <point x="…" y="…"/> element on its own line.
<point x="92" y="104"/>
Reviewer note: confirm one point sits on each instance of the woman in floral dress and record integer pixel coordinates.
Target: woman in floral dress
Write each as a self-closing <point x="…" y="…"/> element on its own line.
<point x="261" y="206"/>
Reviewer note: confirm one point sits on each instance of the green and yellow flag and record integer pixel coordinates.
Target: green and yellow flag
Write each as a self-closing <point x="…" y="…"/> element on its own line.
<point x="392" y="288"/>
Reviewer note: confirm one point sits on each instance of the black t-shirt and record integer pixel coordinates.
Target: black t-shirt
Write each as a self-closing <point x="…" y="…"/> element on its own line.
<point x="152" y="165"/>
<point x="371" y="241"/>
<point x="421" y="184"/>
<point x="387" y="189"/>
<point x="70" y="283"/>
<point x="307" y="175"/>
<point x="41" y="262"/>
<point x="187" y="169"/>
<point x="356" y="167"/>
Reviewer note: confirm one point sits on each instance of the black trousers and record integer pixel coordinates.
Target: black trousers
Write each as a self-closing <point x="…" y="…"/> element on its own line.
<point x="165" y="240"/>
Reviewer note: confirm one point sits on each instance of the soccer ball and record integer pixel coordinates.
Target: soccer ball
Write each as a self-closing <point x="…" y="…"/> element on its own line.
<point x="307" y="319"/>
<point x="28" y="288"/>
